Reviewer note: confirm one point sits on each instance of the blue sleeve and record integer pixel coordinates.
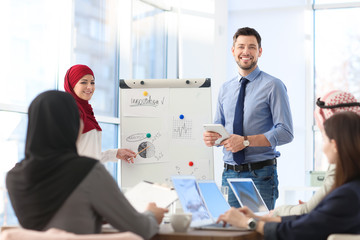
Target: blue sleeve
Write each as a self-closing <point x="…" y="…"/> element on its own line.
<point x="270" y="228"/>
<point x="282" y="132"/>
<point x="289" y="218"/>
<point x="219" y="115"/>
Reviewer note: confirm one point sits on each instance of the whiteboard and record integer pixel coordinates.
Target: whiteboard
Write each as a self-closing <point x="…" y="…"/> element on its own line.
<point x="163" y="118"/>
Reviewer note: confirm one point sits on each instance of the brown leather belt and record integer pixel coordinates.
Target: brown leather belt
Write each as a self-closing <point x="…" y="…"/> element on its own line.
<point x="250" y="166"/>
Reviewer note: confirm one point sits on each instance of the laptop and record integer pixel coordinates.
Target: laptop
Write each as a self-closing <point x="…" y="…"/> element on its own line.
<point x="213" y="198"/>
<point x="204" y="200"/>
<point x="248" y="195"/>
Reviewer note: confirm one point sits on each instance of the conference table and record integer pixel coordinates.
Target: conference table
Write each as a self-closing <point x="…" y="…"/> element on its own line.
<point x="167" y="233"/>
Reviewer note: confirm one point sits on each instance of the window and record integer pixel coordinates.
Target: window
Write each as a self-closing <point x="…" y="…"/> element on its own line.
<point x="149" y="41"/>
<point x="12" y="146"/>
<point x="29" y="63"/>
<point x="95" y="44"/>
<point x="335" y="1"/>
<point x="110" y="141"/>
<point x="337" y="58"/>
<point x="42" y="40"/>
<point x="95" y="33"/>
<point x="28" y="49"/>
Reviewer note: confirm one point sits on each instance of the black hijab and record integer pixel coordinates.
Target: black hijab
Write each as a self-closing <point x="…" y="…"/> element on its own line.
<point x="52" y="169"/>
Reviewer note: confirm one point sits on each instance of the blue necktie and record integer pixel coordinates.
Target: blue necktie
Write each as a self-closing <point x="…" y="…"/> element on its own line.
<point x="239" y="156"/>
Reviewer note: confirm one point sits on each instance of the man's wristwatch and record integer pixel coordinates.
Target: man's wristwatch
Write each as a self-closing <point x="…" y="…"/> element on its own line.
<point x="252" y="223"/>
<point x="246" y="141"/>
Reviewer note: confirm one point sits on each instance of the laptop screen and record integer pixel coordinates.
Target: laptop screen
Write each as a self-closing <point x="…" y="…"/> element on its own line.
<point x="247" y="194"/>
<point x="213" y="198"/>
<point x="190" y="198"/>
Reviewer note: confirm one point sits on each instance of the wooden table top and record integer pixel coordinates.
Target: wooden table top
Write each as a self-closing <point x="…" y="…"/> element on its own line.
<point x="166" y="232"/>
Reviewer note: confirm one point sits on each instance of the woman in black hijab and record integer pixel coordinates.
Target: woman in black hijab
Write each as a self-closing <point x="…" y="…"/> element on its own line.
<point x="55" y="187"/>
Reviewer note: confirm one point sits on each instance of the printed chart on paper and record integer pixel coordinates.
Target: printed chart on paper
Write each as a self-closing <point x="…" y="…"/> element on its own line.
<point x="182" y="129"/>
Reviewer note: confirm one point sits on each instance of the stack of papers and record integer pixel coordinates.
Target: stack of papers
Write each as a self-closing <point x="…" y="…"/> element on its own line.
<point x="145" y="192"/>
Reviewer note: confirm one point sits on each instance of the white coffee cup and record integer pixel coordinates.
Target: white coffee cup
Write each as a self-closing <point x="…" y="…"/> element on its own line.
<point x="180" y="222"/>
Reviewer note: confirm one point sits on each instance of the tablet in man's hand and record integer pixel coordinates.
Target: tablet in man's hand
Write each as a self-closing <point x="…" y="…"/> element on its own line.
<point x="218" y="128"/>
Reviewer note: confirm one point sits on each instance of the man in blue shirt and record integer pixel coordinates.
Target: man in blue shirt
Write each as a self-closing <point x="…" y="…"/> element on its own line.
<point x="266" y="118"/>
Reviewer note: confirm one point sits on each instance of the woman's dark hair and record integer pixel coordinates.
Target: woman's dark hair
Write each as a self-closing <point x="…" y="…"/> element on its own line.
<point x="246" y="31"/>
<point x="344" y="128"/>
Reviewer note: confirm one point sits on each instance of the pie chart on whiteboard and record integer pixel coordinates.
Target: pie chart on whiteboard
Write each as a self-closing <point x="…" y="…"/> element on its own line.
<point x="146" y="149"/>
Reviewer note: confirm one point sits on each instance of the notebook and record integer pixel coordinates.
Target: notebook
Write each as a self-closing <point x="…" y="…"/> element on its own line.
<point x="248" y="195"/>
<point x="145" y="192"/>
<point x="204" y="200"/>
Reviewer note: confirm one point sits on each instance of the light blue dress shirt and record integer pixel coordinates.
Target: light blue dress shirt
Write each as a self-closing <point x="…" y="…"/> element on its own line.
<point x="266" y="111"/>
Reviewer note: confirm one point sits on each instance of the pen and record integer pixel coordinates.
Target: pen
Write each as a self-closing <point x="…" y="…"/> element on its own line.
<point x="141" y="150"/>
<point x="138" y="153"/>
<point x="148" y="182"/>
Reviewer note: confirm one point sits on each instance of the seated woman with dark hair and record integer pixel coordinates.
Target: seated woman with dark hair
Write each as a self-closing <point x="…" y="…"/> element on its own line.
<point x="54" y="187"/>
<point x="333" y="102"/>
<point x="339" y="211"/>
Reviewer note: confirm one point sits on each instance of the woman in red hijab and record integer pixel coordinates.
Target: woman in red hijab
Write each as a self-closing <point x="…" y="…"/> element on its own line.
<point x="80" y="83"/>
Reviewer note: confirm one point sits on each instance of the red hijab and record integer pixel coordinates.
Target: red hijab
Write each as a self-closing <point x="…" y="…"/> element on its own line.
<point x="73" y="75"/>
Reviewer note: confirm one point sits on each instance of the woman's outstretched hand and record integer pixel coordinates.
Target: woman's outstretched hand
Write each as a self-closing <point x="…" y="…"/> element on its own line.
<point x="126" y="155"/>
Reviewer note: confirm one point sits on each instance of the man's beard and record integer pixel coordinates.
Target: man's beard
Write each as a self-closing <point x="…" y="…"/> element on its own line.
<point x="253" y="64"/>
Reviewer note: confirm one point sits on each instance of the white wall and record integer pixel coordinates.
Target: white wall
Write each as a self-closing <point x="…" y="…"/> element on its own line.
<point x="203" y="52"/>
<point x="221" y="53"/>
